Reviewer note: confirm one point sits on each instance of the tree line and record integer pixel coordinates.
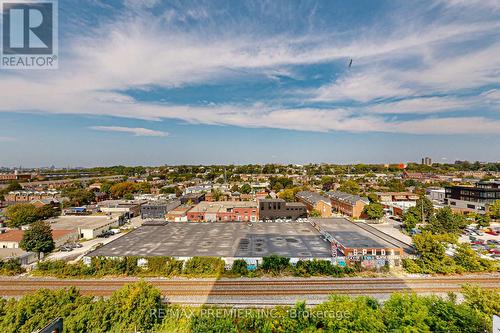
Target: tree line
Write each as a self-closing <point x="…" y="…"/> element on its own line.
<point x="140" y="307"/>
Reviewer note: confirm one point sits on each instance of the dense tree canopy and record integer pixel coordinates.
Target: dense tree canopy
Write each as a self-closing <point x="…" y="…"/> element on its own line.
<point x="445" y="221"/>
<point x="78" y="196"/>
<point x="22" y="214"/>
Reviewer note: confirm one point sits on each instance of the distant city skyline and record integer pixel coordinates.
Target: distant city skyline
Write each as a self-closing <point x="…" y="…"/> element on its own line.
<point x="227" y="82"/>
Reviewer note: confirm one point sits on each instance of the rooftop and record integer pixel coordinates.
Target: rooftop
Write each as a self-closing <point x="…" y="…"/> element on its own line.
<point x="312" y="197"/>
<point x="346" y="197"/>
<point x="351" y="235"/>
<point x="17" y="235"/>
<point x="225" y="239"/>
<point x="221" y="206"/>
<point x="79" y="221"/>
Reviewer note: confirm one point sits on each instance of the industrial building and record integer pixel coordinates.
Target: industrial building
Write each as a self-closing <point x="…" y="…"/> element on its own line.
<point x="336" y="239"/>
<point x="10" y="239"/>
<point x="223" y="211"/>
<point x="158" y="209"/>
<point x="87" y="227"/>
<point x="272" y="209"/>
<point x="359" y="242"/>
<point x="229" y="241"/>
<point x="127" y="208"/>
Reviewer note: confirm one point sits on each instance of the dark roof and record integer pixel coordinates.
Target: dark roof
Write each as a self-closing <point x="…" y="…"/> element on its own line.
<point x="346" y="197"/>
<point x="312" y="197"/>
<point x="271" y="200"/>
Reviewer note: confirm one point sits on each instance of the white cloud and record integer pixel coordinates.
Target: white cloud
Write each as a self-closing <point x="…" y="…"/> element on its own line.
<point x="7" y="139"/>
<point x="139" y="52"/>
<point x="423" y="105"/>
<point x="361" y="87"/>
<point x="137" y="131"/>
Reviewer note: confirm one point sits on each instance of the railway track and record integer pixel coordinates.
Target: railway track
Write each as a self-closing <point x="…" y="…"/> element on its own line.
<point x="246" y="293"/>
<point x="353" y="286"/>
<point x="246" y="282"/>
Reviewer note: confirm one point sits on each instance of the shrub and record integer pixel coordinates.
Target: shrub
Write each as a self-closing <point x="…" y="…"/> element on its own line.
<point x="204" y="266"/>
<point x="275" y="264"/>
<point x="164" y="266"/>
<point x="239" y="267"/>
<point x="10" y="267"/>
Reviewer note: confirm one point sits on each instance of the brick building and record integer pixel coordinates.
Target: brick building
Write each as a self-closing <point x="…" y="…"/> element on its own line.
<point x="315" y="201"/>
<point x="272" y="209"/>
<point x="224" y="211"/>
<point x="348" y="204"/>
<point x="28" y="196"/>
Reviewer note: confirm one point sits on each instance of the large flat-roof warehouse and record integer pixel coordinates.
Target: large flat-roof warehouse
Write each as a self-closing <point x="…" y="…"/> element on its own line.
<point x="335" y="239"/>
<point x="228" y="240"/>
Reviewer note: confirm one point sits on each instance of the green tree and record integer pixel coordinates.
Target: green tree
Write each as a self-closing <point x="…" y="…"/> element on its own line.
<point x="411" y="217"/>
<point x="406" y="313"/>
<point x="432" y="251"/>
<point x="289" y="193"/>
<point x="372" y="197"/>
<point x="21" y="214"/>
<point x="246" y="189"/>
<point x="171" y="190"/>
<point x="275" y="264"/>
<point x="217" y="194"/>
<point x="468" y="259"/>
<point x="484" y="302"/>
<point x="350" y="186"/>
<point x="494" y="210"/>
<point x="78" y="196"/>
<point x="121" y="189"/>
<point x="483" y="220"/>
<point x="38" y="238"/>
<point x="445" y="221"/>
<point x="425" y="204"/>
<point x="314" y="213"/>
<point x="13" y="186"/>
<point x="47" y="211"/>
<point x="373" y="211"/>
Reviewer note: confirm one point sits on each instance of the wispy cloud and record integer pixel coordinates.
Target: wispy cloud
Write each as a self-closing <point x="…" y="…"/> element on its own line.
<point x="424" y="70"/>
<point x="7" y="139"/>
<point x="137" y="131"/>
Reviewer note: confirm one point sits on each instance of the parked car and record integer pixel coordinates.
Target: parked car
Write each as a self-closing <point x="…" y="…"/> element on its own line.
<point x="66" y="248"/>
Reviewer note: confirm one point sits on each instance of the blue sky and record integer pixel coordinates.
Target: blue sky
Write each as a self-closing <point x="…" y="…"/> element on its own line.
<point x="154" y="82"/>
